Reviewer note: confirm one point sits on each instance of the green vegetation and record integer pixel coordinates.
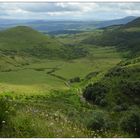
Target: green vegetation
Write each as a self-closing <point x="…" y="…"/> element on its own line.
<point x="25" y="41"/>
<point x="48" y="115"/>
<point x="125" y="38"/>
<point x="119" y="87"/>
<point x="96" y="93"/>
<point x="131" y="122"/>
<point x="4" y="111"/>
<point x="78" y="85"/>
<point x="99" y="121"/>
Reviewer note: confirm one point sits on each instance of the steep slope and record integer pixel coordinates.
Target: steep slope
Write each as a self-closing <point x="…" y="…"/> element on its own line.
<point x="119" y="89"/>
<point x="134" y="23"/>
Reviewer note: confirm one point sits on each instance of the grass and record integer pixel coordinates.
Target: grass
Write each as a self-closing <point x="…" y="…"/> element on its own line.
<point x="63" y="114"/>
<point x="58" y="112"/>
<point x="34" y="78"/>
<point x="40" y="98"/>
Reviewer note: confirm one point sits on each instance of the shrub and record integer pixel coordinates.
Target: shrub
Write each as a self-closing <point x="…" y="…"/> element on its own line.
<point x="131" y="88"/>
<point x="4" y="111"/>
<point x="99" y="121"/>
<point x="96" y="93"/>
<point x="103" y="102"/>
<point x="122" y="107"/>
<point x="118" y="71"/>
<point x="75" y="79"/>
<point x="130" y="122"/>
<point x="91" y="74"/>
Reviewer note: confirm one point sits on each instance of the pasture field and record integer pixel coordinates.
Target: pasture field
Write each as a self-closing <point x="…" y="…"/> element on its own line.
<point x="35" y="77"/>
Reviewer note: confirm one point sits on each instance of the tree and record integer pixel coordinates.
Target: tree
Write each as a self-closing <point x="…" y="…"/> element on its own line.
<point x="96" y="93"/>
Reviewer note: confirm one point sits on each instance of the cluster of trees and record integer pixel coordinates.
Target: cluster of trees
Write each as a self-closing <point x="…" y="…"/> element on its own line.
<point x="75" y="79"/>
<point x="63" y="52"/>
<point x="118" y="71"/>
<point x="131" y="89"/>
<point x="96" y="93"/>
<point x="129" y="120"/>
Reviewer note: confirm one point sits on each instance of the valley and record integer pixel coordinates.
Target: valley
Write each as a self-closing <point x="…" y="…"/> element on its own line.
<point x="37" y="74"/>
<point x="85" y="84"/>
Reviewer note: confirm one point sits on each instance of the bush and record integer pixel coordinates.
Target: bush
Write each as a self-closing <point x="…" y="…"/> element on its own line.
<point x="96" y="93"/>
<point x="103" y="102"/>
<point x="122" y="107"/>
<point x="130" y="122"/>
<point x="99" y="121"/>
<point x="91" y="74"/>
<point x="4" y="111"/>
<point x="131" y="88"/>
<point x="75" y="79"/>
<point x="117" y="71"/>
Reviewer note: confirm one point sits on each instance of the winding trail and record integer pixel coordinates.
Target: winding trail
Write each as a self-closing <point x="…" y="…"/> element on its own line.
<point x="52" y="73"/>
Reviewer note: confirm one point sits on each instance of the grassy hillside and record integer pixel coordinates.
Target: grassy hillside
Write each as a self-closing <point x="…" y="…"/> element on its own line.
<point x="81" y="85"/>
<point x="118" y="90"/>
<point x="37" y="96"/>
<point x="125" y="38"/>
<point x="23" y="40"/>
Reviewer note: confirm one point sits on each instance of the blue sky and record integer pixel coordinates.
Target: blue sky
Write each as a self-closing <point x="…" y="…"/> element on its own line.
<point x="69" y="11"/>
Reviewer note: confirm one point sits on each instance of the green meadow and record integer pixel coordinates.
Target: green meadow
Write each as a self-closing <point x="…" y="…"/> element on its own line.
<point x="35" y="78"/>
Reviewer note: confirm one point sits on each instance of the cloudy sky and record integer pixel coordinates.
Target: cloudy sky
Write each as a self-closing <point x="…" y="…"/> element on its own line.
<point x="68" y="11"/>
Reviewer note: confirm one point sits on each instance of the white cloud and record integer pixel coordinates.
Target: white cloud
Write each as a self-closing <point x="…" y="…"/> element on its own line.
<point x="69" y="10"/>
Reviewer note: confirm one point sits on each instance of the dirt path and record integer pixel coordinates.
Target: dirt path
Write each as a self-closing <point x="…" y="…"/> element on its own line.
<point x="52" y="73"/>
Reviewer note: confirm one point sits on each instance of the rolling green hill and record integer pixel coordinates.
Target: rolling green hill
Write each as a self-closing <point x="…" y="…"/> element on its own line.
<point x="23" y="40"/>
<point x="125" y="38"/>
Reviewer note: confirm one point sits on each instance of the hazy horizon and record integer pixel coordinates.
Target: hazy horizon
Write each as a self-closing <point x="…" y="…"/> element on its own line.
<point x="70" y="20"/>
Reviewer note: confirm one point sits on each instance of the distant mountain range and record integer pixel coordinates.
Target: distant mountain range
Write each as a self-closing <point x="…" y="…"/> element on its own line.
<point x="59" y="27"/>
<point x="115" y="22"/>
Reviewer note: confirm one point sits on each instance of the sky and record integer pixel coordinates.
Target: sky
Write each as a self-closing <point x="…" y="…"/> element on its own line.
<point x="68" y="11"/>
